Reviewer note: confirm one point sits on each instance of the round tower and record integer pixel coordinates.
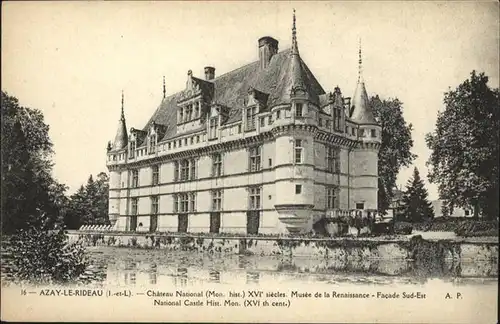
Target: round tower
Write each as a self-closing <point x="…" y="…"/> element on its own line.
<point x="364" y="181"/>
<point x="117" y="155"/>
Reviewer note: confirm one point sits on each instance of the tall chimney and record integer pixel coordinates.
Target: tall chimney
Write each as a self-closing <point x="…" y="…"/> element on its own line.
<point x="209" y="73"/>
<point x="268" y="46"/>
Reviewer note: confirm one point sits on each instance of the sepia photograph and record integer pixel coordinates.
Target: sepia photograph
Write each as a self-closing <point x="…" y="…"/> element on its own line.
<point x="230" y="161"/>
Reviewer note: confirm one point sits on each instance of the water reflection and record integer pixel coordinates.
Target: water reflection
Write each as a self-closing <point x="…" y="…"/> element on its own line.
<point x="154" y="268"/>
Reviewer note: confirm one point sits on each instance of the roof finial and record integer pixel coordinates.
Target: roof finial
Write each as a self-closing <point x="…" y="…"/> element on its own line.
<point x="123" y="113"/>
<point x="295" y="49"/>
<point x="360" y="64"/>
<point x="164" y="89"/>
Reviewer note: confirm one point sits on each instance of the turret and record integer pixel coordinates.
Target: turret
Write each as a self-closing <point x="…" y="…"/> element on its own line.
<point x="121" y="138"/>
<point x="298" y="86"/>
<point x="361" y="112"/>
<point x="364" y="157"/>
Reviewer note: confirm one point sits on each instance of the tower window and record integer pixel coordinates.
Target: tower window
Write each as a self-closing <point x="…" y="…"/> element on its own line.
<point x="298" y="110"/>
<point x="374" y="133"/>
<point x="298" y="189"/>
<point x="360" y="205"/>
<point x="298" y="151"/>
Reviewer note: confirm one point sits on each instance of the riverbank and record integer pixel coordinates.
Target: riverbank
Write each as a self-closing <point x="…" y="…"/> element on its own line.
<point x="406" y="247"/>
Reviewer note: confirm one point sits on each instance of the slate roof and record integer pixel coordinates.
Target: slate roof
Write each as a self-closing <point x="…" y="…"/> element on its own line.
<point x="121" y="138"/>
<point x="231" y="89"/>
<point x="361" y="111"/>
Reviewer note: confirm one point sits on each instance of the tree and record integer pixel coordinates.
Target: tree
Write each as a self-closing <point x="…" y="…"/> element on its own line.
<point x="417" y="207"/>
<point x="89" y="205"/>
<point x="32" y="202"/>
<point x="27" y="183"/>
<point x="102" y="201"/>
<point x="464" y="145"/>
<point x="395" y="150"/>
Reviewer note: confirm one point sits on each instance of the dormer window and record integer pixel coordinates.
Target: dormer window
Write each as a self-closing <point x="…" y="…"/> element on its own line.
<point x="214" y="127"/>
<point x="298" y="110"/>
<point x="181" y="115"/>
<point x="189" y="112"/>
<point x="131" y="153"/>
<point x="336" y="118"/>
<point x="197" y="110"/>
<point x="251" y="118"/>
<point x="152" y="143"/>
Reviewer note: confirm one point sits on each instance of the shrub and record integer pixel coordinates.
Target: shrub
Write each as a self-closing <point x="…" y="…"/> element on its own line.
<point x="403" y="228"/>
<point x="46" y="256"/>
<point x="477" y="228"/>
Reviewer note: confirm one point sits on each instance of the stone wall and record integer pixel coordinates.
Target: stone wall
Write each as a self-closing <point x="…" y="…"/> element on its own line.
<point x="346" y="248"/>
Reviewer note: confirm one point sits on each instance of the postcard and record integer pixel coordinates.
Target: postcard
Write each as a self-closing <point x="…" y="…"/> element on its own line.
<point x="250" y="161"/>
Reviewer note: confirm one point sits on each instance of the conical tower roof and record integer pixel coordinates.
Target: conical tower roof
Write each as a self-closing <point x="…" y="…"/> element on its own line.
<point x="121" y="138"/>
<point x="297" y="73"/>
<point x="360" y="105"/>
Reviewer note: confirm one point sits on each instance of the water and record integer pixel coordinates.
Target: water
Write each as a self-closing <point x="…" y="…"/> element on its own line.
<point x="160" y="268"/>
<point x="138" y="272"/>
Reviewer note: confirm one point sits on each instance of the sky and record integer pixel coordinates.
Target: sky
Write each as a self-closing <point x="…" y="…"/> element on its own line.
<point x="71" y="60"/>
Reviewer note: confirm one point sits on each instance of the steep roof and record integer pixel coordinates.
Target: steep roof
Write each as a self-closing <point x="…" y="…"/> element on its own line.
<point x="121" y="137"/>
<point x="361" y="112"/>
<point x="231" y="89"/>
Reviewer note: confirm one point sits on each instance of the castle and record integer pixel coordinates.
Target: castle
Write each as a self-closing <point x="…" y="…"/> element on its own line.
<point x="260" y="149"/>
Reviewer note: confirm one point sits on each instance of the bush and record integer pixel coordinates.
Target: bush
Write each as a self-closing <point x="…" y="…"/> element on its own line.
<point x="403" y="228"/>
<point x="45" y="256"/>
<point x="477" y="228"/>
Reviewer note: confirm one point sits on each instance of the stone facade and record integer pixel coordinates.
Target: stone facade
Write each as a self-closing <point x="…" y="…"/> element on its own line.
<point x="262" y="149"/>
